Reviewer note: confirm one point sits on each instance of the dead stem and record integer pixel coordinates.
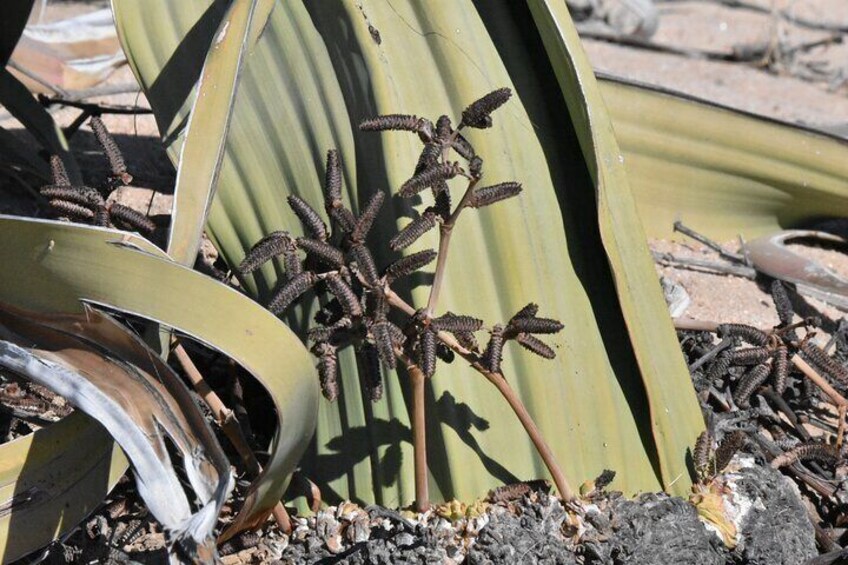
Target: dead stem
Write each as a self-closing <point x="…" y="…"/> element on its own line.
<point x="688" y="324"/>
<point x="225" y="418"/>
<point x="821" y="382"/>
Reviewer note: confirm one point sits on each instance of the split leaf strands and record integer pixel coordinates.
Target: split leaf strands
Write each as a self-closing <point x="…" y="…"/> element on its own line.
<point x="340" y="263"/>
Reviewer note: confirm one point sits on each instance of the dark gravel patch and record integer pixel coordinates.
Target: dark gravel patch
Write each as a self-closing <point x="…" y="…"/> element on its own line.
<point x="653" y="529"/>
<point x="776" y="530"/>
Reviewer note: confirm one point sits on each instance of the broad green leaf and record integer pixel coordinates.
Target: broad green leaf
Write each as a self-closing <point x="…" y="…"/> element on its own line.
<point x="675" y="414"/>
<point x="314" y="73"/>
<point x="55" y="267"/>
<point x="721" y="171"/>
<point x="20" y="102"/>
<point x="51" y="480"/>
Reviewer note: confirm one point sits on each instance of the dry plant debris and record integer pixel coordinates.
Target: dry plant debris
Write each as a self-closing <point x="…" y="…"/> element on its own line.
<point x="90" y="205"/>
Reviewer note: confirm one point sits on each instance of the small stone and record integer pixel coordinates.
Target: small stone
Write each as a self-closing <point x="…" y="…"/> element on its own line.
<point x="404" y="539"/>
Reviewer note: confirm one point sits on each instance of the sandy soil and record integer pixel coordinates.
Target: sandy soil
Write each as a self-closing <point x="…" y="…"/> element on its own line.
<point x="779" y="87"/>
<point x="729" y="298"/>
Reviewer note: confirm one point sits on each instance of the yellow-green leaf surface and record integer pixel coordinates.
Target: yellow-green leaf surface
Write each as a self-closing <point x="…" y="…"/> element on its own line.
<point x="54" y="267"/>
<point x="51" y="479"/>
<point x="316" y="71"/>
<point x="675" y="414"/>
<point x="721" y="171"/>
<point x="203" y="150"/>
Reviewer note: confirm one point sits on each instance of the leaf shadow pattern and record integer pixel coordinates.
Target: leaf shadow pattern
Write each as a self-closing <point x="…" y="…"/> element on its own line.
<point x="357" y="444"/>
<point x="461" y="419"/>
<point x="183" y="70"/>
<point x="535" y="83"/>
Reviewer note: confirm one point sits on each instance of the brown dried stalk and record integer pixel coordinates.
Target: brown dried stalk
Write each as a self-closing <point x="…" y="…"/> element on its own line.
<point x="229" y="424"/>
<point x="419" y="434"/>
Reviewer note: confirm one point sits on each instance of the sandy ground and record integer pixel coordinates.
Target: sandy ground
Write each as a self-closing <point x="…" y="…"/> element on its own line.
<point x="729" y="298"/>
<point x="783" y="85"/>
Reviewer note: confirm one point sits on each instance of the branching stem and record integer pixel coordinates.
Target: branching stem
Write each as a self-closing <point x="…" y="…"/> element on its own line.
<point x="445" y="230"/>
<point x="506" y="391"/>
